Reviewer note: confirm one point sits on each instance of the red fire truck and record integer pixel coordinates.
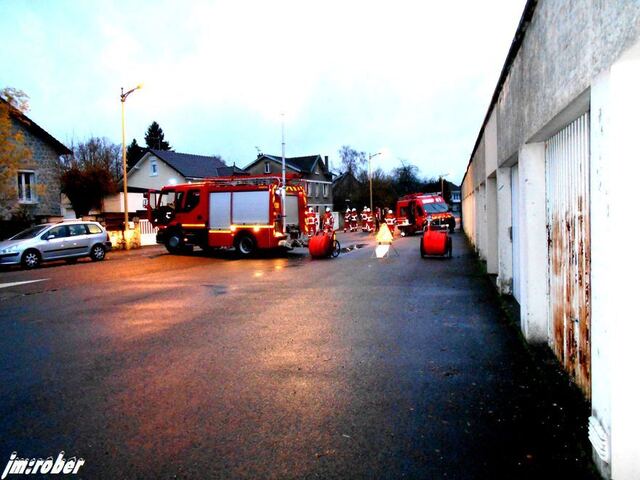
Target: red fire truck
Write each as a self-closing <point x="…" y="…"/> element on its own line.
<point x="244" y="213"/>
<point x="412" y="211"/>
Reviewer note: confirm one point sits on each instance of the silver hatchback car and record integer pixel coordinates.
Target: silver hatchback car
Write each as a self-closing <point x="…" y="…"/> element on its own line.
<point x="55" y="241"/>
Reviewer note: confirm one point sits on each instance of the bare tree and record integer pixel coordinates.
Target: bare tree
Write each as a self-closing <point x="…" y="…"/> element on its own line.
<point x="351" y="160"/>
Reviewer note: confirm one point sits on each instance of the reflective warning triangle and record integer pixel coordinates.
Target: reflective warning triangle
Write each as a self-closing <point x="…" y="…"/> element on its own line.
<point x="384" y="235"/>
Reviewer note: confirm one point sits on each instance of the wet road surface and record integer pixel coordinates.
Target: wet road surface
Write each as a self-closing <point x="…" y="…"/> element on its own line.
<point x="149" y="365"/>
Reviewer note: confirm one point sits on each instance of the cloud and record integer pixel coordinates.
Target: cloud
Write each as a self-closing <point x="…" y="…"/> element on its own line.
<point x="411" y="76"/>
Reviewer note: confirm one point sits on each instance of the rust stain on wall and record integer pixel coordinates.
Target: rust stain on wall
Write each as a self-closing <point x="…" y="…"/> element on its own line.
<point x="570" y="250"/>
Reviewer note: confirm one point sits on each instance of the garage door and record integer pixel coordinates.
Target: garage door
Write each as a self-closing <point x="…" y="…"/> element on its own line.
<point x="515" y="230"/>
<point x="567" y="171"/>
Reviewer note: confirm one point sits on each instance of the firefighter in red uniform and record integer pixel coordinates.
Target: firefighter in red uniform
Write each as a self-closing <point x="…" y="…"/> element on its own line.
<point x="327" y="221"/>
<point x="311" y="221"/>
<point x="353" y="223"/>
<point x="378" y="218"/>
<point x="347" y="219"/>
<point x="367" y="217"/>
<point x="390" y="220"/>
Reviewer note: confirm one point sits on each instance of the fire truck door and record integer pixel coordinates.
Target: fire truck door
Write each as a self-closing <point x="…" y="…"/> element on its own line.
<point x="419" y="216"/>
<point x="410" y="213"/>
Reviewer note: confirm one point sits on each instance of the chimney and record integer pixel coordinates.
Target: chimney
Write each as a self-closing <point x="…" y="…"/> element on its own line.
<point x="326" y="162"/>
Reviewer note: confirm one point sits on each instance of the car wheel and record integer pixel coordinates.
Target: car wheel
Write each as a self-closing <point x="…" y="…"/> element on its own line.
<point x="246" y="245"/>
<point x="31" y="259"/>
<point x="97" y="253"/>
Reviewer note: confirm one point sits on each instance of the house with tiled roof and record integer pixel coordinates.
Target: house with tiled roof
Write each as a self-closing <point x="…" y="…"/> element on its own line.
<point x="158" y="168"/>
<point x="37" y="180"/>
<point x="314" y="170"/>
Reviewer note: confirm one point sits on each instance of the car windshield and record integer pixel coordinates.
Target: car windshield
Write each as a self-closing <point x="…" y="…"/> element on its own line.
<point x="29" y="232"/>
<point x="439" y="207"/>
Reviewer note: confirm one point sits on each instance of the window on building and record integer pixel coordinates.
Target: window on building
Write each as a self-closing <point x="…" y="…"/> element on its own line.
<point x="316" y="190"/>
<point x="267" y="167"/>
<point x="154" y="168"/>
<point x="325" y="190"/>
<point x="27" y="187"/>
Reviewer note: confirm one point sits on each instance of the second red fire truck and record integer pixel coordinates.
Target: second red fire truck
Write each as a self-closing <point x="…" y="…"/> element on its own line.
<point x="412" y="212"/>
<point x="244" y="213"/>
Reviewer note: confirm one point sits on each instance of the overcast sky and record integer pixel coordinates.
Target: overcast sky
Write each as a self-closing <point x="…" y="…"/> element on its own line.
<point x="410" y="78"/>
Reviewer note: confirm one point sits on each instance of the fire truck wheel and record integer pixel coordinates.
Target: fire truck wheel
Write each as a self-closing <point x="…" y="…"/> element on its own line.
<point x="452" y="225"/>
<point x="174" y="242"/>
<point x="421" y="249"/>
<point x="245" y="245"/>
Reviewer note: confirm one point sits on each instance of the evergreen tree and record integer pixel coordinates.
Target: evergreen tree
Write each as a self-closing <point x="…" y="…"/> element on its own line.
<point x="155" y="138"/>
<point x="134" y="153"/>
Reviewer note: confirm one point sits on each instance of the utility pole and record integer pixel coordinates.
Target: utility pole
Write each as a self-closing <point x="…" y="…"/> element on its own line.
<point x="123" y="98"/>
<point x="370" y="181"/>
<point x="284" y="184"/>
<point x="442" y="183"/>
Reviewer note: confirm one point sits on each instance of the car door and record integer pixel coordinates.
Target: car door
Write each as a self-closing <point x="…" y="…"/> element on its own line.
<point x="54" y="242"/>
<point x="420" y="217"/>
<point x="78" y="241"/>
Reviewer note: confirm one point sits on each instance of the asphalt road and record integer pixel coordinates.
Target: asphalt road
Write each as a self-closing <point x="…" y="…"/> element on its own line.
<point x="149" y="365"/>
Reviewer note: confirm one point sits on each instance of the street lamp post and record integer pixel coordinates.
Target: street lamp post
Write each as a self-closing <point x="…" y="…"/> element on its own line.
<point x="283" y="198"/>
<point x="442" y="183"/>
<point x="123" y="97"/>
<point x="370" y="181"/>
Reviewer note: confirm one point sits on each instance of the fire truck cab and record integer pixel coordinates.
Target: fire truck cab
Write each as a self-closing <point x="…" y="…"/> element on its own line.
<point x="412" y="212"/>
<point x="244" y="213"/>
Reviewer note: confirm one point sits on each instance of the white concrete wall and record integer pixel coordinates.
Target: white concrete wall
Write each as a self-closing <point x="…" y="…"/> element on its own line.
<point x="615" y="329"/>
<point x="481" y="221"/>
<point x="491" y="239"/>
<point x="533" y="243"/>
<point x="115" y="203"/>
<point x="531" y="108"/>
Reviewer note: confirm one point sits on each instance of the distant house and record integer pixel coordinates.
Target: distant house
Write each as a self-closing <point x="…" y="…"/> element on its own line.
<point x="345" y="190"/>
<point x="37" y="180"/>
<point x="158" y="168"/>
<point x="313" y="169"/>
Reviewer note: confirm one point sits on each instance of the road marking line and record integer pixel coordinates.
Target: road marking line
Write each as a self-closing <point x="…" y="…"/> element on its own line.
<point x="13" y="284"/>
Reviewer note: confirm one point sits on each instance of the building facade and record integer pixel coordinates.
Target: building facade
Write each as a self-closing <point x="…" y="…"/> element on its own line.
<point x="158" y="168"/>
<point x="313" y="169"/>
<point x="541" y="200"/>
<point x="37" y="180"/>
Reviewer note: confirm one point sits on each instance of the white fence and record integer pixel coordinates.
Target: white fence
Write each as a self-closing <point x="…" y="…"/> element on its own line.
<point x="147" y="233"/>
